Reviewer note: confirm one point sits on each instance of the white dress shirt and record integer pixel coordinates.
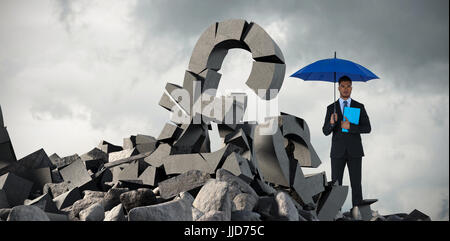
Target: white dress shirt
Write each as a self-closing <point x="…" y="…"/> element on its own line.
<point x="341" y="102"/>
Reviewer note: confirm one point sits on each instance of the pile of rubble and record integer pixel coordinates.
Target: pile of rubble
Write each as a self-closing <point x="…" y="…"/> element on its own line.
<point x="256" y="175"/>
<point x="142" y="180"/>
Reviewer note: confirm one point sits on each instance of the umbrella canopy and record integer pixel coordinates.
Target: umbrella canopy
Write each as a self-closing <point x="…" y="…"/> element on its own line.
<point x="331" y="70"/>
<point x="325" y="70"/>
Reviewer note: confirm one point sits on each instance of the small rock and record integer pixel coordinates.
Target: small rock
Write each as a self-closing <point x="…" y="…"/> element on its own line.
<point x="236" y="184"/>
<point x="137" y="198"/>
<point x="93" y="194"/>
<point x="245" y="215"/>
<point x="178" y="209"/>
<point x="27" y="213"/>
<point x="115" y="214"/>
<point x="244" y="202"/>
<point x="93" y="213"/>
<point x="112" y="197"/>
<point x="56" y="189"/>
<point x="196" y="214"/>
<point x="213" y="196"/>
<point x="286" y="206"/>
<point x="215" y="215"/>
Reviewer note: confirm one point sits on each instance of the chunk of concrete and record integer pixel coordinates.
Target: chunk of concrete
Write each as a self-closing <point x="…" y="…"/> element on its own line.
<point x="67" y="199"/>
<point x="176" y="164"/>
<point x="37" y="159"/>
<point x="213" y="196"/>
<point x="191" y="139"/>
<point x="269" y="151"/>
<point x="417" y="215"/>
<point x="39" y="177"/>
<point x="3" y="199"/>
<point x="115" y="214"/>
<point x="169" y="133"/>
<point x="262" y="46"/>
<point x="157" y="157"/>
<point x="215" y="215"/>
<point x="316" y="182"/>
<point x="45" y="203"/>
<point x="244" y="202"/>
<point x="267" y="207"/>
<point x="118" y="155"/>
<point x="239" y="166"/>
<point x="93" y="213"/>
<point x="129" y="142"/>
<point x="150" y="176"/>
<point x="67" y="160"/>
<point x="137" y="198"/>
<point x="112" y="197"/>
<point x="108" y="147"/>
<point x="229" y="33"/>
<point x="55" y="159"/>
<point x="16" y="188"/>
<point x="286" y="206"/>
<point x="268" y="77"/>
<point x="145" y="143"/>
<point x="56" y="189"/>
<point x="182" y="183"/>
<point x="178" y="209"/>
<point x="76" y="173"/>
<point x="331" y="201"/>
<point x="94" y="159"/>
<point x="235" y="184"/>
<point x="216" y="159"/>
<point x="245" y="215"/>
<point x="27" y="213"/>
<point x="203" y="51"/>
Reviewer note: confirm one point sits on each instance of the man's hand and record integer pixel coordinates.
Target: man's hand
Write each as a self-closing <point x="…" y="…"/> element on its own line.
<point x="345" y="124"/>
<point x="333" y="120"/>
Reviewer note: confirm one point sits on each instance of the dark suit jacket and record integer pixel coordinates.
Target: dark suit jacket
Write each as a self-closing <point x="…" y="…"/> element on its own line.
<point x="350" y="141"/>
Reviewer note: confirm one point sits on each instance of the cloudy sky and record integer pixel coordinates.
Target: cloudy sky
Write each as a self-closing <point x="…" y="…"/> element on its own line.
<point x="75" y="72"/>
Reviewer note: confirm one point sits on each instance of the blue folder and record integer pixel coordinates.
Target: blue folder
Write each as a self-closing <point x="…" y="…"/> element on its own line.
<point x="352" y="115"/>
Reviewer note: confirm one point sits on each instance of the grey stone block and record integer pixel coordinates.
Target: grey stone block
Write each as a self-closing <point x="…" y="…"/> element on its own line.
<point x="267" y="207"/>
<point x="45" y="203"/>
<point x="108" y="147"/>
<point x="94" y="159"/>
<point x="296" y="130"/>
<point x="56" y="176"/>
<point x="244" y="202"/>
<point x="417" y="215"/>
<point x="235" y="184"/>
<point x="54" y="158"/>
<point x="262" y="46"/>
<point x="238" y="138"/>
<point x="239" y="166"/>
<point x="16" y="188"/>
<point x="3" y="199"/>
<point x="245" y="215"/>
<point x="331" y="201"/>
<point x="273" y="162"/>
<point x="203" y="52"/>
<point x="158" y="156"/>
<point x="196" y="214"/>
<point x="27" y="213"/>
<point x="191" y="139"/>
<point x="137" y="198"/>
<point x="176" y="164"/>
<point x="118" y="155"/>
<point x="169" y="133"/>
<point x="216" y="159"/>
<point x="266" y="76"/>
<point x="76" y="173"/>
<point x="65" y="161"/>
<point x="215" y="215"/>
<point x="37" y="159"/>
<point x="93" y="213"/>
<point x="145" y="143"/>
<point x="316" y="182"/>
<point x="213" y="196"/>
<point x="229" y="33"/>
<point x="182" y="183"/>
<point x="115" y="214"/>
<point x="129" y="142"/>
<point x="286" y="206"/>
<point x="308" y="215"/>
<point x="150" y="176"/>
<point x="67" y="199"/>
<point x="178" y="209"/>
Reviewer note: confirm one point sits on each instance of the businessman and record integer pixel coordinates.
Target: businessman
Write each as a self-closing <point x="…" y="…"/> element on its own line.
<point x="346" y="147"/>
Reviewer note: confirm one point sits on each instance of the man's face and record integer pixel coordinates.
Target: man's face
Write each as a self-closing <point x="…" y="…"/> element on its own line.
<point x="345" y="88"/>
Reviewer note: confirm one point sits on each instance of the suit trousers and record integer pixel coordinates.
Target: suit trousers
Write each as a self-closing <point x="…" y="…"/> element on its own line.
<point x="354" y="165"/>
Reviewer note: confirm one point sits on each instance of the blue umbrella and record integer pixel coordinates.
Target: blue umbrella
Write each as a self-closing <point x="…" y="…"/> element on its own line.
<point x="331" y="70"/>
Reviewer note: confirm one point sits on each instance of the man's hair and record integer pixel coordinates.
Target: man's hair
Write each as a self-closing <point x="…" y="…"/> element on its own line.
<point x="345" y="78"/>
